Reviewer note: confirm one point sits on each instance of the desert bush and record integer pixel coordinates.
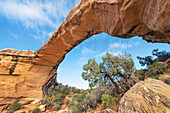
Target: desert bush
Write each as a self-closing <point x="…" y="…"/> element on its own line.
<point x="56" y="95"/>
<point x="154" y="71"/>
<point x="15" y="106"/>
<point x="57" y="106"/>
<point x="90" y="102"/>
<point x="108" y="100"/>
<point x="83" y="102"/>
<point x="104" y="106"/>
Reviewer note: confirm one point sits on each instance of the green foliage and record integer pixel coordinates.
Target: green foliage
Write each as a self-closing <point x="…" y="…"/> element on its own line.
<point x="104" y="106"/>
<point x="79" y="97"/>
<point x="15" y="106"/>
<point x="111" y="69"/>
<point x="108" y="100"/>
<point x="35" y="110"/>
<point x="154" y="71"/>
<point x="83" y="102"/>
<point x="57" y="106"/>
<point x="154" y="68"/>
<point x="157" y="56"/>
<point x="57" y="95"/>
<point x="141" y="74"/>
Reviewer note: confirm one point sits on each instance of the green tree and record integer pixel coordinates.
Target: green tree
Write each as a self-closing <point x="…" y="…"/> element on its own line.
<point x="157" y="56"/>
<point x="115" y="69"/>
<point x="154" y="68"/>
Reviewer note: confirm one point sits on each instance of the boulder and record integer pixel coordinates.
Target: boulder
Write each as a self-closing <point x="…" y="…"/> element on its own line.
<point x="149" y="96"/>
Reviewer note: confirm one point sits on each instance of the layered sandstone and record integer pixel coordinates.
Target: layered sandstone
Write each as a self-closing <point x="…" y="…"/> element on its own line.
<point x="19" y="78"/>
<point x="25" y="73"/>
<point x="149" y="96"/>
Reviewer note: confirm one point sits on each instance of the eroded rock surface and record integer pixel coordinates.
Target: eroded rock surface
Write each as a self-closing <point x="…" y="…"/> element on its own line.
<point x="19" y="78"/>
<point x="149" y="96"/>
<point x="149" y="19"/>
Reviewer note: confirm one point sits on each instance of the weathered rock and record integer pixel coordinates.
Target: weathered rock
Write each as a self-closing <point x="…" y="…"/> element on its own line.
<point x="19" y="78"/>
<point x="149" y="96"/>
<point x="121" y="18"/>
<point x="24" y="73"/>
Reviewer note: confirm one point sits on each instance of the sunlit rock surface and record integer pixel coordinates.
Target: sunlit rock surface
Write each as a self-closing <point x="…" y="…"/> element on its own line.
<point x="19" y="78"/>
<point x="122" y="18"/>
<point x="149" y="96"/>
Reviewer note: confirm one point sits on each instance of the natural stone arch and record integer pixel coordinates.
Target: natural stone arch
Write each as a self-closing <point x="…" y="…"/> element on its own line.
<point x="121" y="18"/>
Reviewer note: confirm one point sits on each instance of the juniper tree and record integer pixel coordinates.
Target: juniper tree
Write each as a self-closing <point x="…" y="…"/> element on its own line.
<point x="113" y="69"/>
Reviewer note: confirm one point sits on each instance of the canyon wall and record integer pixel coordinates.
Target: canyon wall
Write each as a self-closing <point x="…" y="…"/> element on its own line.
<point x="19" y="77"/>
<point x="26" y="74"/>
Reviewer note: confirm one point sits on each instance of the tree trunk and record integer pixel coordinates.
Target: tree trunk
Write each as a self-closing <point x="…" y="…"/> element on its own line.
<point x="113" y="83"/>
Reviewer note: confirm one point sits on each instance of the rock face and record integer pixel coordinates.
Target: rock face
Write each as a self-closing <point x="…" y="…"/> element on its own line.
<point x="25" y="73"/>
<point x="19" y="78"/>
<point x="149" y="96"/>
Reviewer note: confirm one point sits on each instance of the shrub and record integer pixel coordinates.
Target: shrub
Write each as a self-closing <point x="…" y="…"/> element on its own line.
<point x="104" y="106"/>
<point x="15" y="106"/>
<point x="90" y="101"/>
<point x="83" y="102"/>
<point x="155" y="70"/>
<point x="35" y="110"/>
<point x="77" y="108"/>
<point x="57" y="106"/>
<point x="108" y="100"/>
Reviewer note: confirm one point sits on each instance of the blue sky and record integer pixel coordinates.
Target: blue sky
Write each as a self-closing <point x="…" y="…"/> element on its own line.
<point x="28" y="24"/>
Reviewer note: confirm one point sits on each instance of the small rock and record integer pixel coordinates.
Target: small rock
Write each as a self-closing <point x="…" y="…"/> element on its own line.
<point x="42" y="107"/>
<point x="37" y="102"/>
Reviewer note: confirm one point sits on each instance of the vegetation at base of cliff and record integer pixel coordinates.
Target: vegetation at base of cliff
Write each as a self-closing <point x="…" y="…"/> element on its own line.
<point x="108" y="100"/>
<point x="57" y="94"/>
<point x="15" y="106"/>
<point x="91" y="99"/>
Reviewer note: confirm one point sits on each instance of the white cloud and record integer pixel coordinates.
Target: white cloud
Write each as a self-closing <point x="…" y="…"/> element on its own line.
<point x="101" y="54"/>
<point x="114" y="53"/>
<point x="86" y="50"/>
<point x="37" y="16"/>
<point x="13" y="35"/>
<point x="119" y="45"/>
<point x="123" y="45"/>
